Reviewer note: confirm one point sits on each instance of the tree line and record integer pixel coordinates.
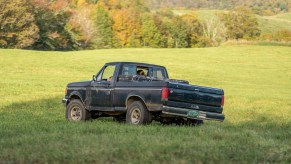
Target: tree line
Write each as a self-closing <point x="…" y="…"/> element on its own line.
<point x="91" y="24"/>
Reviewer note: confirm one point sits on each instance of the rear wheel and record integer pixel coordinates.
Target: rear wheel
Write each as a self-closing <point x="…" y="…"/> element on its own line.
<point x="138" y="114"/>
<point x="76" y="111"/>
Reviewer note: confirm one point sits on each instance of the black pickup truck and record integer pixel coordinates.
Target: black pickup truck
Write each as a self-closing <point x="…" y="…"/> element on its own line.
<point x="138" y="93"/>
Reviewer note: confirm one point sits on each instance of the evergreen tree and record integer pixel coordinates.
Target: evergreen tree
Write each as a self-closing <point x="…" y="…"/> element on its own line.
<point x="165" y="27"/>
<point x="17" y="24"/>
<point x="104" y="29"/>
<point x="163" y="20"/>
<point x="151" y="36"/>
<point x="53" y="34"/>
<point x="180" y="33"/>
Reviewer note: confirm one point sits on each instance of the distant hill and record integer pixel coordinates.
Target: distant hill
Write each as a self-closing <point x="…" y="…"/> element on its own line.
<point x="261" y="7"/>
<point x="267" y="24"/>
<point x="278" y="22"/>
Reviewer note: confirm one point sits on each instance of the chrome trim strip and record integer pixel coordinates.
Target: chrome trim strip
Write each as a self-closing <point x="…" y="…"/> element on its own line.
<point x="126" y="88"/>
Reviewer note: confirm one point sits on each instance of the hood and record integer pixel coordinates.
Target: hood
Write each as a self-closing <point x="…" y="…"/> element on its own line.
<point x="79" y="84"/>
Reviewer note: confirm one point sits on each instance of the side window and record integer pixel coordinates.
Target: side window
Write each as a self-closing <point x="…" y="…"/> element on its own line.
<point x="128" y="70"/>
<point x="107" y="73"/>
<point x="159" y="73"/>
<point x="144" y="71"/>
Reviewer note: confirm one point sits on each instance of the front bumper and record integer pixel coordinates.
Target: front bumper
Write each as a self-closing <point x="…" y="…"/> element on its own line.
<point x="64" y="101"/>
<point x="192" y="114"/>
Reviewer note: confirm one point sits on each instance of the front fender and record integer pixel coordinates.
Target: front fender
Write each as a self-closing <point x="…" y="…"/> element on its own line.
<point x="76" y="95"/>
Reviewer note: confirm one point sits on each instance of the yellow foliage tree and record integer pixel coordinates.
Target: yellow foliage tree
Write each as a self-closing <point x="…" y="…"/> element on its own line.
<point x="126" y="27"/>
<point x="81" y="3"/>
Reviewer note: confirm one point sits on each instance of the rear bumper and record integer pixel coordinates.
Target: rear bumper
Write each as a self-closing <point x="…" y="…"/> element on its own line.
<point x="192" y="114"/>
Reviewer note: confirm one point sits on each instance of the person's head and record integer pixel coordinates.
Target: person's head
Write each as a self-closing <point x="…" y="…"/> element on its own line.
<point x="110" y="78"/>
<point x="140" y="72"/>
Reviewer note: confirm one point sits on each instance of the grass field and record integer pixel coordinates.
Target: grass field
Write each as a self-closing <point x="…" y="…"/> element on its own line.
<point x="256" y="80"/>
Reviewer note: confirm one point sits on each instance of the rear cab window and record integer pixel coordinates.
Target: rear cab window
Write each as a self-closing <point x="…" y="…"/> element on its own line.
<point x="159" y="73"/>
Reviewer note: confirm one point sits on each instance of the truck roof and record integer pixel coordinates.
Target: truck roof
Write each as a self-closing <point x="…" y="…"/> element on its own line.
<point x="137" y="63"/>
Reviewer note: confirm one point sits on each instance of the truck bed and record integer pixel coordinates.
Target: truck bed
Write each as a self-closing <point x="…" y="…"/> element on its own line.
<point x="194" y="102"/>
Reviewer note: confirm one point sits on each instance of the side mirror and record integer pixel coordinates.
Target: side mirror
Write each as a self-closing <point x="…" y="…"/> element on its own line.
<point x="94" y="78"/>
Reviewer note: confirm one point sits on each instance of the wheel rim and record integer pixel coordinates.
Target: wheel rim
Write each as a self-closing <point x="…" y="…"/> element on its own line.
<point x="76" y="113"/>
<point x="135" y="116"/>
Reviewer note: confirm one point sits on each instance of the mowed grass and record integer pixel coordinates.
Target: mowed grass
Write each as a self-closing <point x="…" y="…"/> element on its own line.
<point x="256" y="80"/>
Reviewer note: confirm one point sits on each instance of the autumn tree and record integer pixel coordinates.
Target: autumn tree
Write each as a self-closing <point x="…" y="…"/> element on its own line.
<point x="240" y="23"/>
<point x="18" y="28"/>
<point x="123" y="26"/>
<point x="81" y="28"/>
<point x="194" y="29"/>
<point x="126" y="16"/>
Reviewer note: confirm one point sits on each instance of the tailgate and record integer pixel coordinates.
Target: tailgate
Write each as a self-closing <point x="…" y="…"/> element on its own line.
<point x="195" y="94"/>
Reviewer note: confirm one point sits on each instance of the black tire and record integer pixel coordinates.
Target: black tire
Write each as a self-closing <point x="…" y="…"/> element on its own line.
<point x="76" y="111"/>
<point x="137" y="114"/>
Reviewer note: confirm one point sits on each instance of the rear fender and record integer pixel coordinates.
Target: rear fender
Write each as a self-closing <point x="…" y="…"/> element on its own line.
<point x="131" y="98"/>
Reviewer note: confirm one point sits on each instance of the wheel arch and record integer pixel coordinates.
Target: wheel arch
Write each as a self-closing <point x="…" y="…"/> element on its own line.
<point x="132" y="98"/>
<point x="75" y="95"/>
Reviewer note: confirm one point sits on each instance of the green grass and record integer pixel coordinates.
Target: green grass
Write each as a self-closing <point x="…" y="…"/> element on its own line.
<point x="256" y="80"/>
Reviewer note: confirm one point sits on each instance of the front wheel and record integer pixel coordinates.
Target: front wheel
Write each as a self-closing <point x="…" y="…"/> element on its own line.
<point x="138" y="114"/>
<point x="76" y="111"/>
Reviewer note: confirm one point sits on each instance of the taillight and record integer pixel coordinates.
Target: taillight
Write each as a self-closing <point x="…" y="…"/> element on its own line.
<point x="66" y="91"/>
<point x="222" y="100"/>
<point x="165" y="93"/>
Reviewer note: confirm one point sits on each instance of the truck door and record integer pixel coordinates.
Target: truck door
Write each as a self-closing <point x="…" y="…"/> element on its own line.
<point x="102" y="89"/>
